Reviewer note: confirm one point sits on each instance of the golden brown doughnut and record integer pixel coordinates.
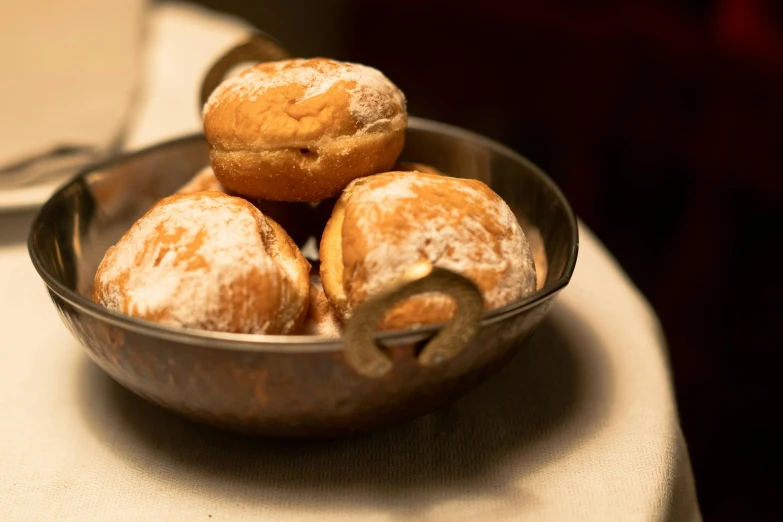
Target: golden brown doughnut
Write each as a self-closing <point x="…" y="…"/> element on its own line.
<point x="208" y="261"/>
<point x="321" y="319"/>
<point x="383" y="224"/>
<point x="406" y="166"/>
<point x="536" y="240"/>
<point x="297" y="219"/>
<point x="203" y="181"/>
<point x="321" y="213"/>
<point x="301" y="130"/>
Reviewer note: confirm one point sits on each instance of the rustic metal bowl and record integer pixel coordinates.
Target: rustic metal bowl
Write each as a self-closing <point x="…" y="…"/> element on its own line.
<point x="293" y="386"/>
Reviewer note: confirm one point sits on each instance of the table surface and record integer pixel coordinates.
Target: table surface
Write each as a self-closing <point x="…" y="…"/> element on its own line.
<point x="582" y="424"/>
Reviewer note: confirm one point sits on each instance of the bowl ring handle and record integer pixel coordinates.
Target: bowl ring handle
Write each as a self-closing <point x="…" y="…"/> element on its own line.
<point x="366" y="357"/>
<point x="258" y="47"/>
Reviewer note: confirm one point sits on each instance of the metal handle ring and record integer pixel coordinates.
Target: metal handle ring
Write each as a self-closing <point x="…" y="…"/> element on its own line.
<point x="259" y="47"/>
<point x="366" y="357"/>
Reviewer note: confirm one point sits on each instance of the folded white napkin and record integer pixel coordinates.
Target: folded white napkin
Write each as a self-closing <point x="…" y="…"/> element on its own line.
<point x="70" y="70"/>
<point x="84" y="77"/>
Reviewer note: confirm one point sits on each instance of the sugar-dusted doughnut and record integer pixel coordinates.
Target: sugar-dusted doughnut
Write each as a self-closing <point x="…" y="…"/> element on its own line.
<point x="301" y="130"/>
<point x="208" y="261"/>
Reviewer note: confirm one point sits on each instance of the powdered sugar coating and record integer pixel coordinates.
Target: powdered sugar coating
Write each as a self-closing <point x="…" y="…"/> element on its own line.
<point x="406" y="217"/>
<point x="322" y="320"/>
<point x="370" y="95"/>
<point x="190" y="259"/>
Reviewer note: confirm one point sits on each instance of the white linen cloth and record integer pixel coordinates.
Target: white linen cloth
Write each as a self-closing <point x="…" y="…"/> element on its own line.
<point x="70" y="73"/>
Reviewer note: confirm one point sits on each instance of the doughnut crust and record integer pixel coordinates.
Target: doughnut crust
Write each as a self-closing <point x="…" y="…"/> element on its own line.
<point x="203" y="181"/>
<point x="208" y="261"/>
<point x="301" y="130"/>
<point x="383" y="224"/>
<point x="415" y="167"/>
<point x="297" y="219"/>
<point x="321" y="319"/>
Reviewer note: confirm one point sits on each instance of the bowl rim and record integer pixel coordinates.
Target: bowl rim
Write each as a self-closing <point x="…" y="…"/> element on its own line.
<point x="296" y="343"/>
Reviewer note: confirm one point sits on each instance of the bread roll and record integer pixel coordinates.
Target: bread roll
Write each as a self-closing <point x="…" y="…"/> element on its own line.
<point x="301" y="130"/>
<point x="207" y="261"/>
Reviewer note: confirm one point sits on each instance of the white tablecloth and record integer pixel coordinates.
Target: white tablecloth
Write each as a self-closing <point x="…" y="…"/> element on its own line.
<point x="581" y="425"/>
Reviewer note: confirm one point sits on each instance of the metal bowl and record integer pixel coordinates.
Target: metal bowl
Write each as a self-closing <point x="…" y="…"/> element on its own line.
<point x="291" y="386"/>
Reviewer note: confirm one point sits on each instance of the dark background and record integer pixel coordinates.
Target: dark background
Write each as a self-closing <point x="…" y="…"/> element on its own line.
<point x="662" y="121"/>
